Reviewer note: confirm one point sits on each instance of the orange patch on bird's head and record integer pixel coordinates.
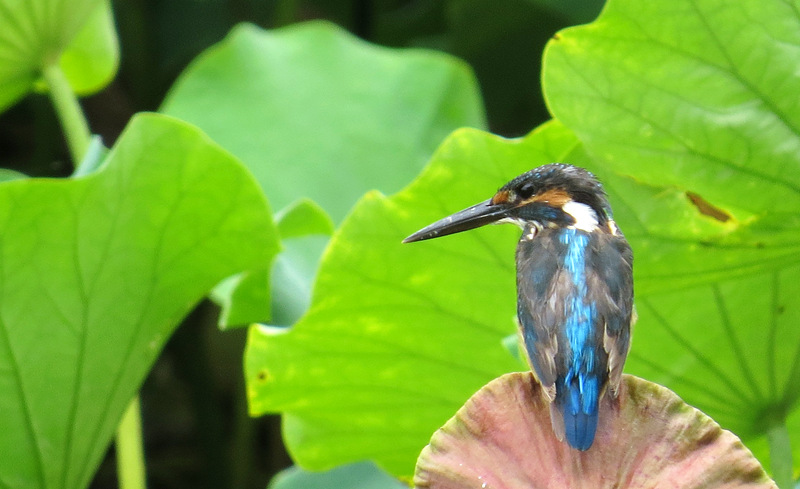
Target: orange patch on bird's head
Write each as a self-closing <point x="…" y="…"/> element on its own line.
<point x="501" y="197"/>
<point x="556" y="197"/>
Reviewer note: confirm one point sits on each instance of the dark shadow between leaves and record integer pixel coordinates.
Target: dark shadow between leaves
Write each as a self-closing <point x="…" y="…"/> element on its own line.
<point x="502" y="439"/>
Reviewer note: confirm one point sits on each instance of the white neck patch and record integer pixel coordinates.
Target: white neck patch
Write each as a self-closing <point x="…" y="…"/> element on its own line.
<point x="585" y="217"/>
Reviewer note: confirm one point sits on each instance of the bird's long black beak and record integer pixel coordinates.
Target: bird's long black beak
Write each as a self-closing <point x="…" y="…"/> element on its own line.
<point x="470" y="218"/>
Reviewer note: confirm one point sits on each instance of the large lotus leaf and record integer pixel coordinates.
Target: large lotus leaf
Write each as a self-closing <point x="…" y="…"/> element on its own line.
<point x="401" y="318"/>
<point x="712" y="219"/>
<point x="37" y="32"/>
<point x="698" y="97"/>
<point x="647" y="438"/>
<point x="96" y="273"/>
<point x="316" y="113"/>
<point x="399" y="336"/>
<point x="728" y="347"/>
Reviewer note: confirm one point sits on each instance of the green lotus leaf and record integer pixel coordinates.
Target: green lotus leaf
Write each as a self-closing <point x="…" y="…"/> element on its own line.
<point x="685" y="95"/>
<point x="315" y="112"/>
<point x="91" y="60"/>
<point x="399" y="336"/>
<point x="696" y="99"/>
<point x="437" y="311"/>
<point x="96" y="273"/>
<point x="318" y="114"/>
<point x="700" y="170"/>
<point x="303" y="218"/>
<point x="36" y="33"/>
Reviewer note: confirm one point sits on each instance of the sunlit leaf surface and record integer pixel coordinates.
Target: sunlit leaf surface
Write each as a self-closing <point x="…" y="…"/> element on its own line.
<point x="397" y="313"/>
<point x="316" y="113"/>
<point x="697" y="99"/>
<point x="399" y="336"/>
<point x="687" y="118"/>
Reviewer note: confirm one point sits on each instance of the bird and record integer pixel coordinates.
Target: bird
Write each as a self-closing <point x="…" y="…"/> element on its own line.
<point x="574" y="288"/>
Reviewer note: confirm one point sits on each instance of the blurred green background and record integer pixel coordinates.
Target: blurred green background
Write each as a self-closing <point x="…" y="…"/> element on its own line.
<point x="197" y="432"/>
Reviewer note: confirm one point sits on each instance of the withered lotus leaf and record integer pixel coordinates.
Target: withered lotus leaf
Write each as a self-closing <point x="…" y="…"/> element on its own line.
<point x="647" y="438"/>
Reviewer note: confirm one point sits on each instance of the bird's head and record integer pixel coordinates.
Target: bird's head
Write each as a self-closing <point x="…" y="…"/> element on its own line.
<point x="550" y="196"/>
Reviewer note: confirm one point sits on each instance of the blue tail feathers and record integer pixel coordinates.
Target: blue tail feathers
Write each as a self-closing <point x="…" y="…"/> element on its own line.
<point x="579" y="408"/>
<point x="580" y="429"/>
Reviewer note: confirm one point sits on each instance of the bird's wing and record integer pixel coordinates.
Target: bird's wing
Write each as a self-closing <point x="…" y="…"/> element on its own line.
<point x="539" y="309"/>
<point x="611" y="281"/>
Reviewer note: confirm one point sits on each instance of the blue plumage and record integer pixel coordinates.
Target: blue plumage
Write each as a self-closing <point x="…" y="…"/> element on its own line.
<point x="574" y="288"/>
<point x="580" y="429"/>
<point x="581" y="390"/>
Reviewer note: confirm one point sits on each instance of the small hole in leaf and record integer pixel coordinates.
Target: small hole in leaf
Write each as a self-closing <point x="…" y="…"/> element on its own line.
<point x="262" y="375"/>
<point x="707" y="209"/>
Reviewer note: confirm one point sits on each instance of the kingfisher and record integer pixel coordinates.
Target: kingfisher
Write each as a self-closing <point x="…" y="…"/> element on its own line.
<point x="574" y="287"/>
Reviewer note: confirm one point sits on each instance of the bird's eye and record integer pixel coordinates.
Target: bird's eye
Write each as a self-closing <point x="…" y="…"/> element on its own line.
<point x="526" y="191"/>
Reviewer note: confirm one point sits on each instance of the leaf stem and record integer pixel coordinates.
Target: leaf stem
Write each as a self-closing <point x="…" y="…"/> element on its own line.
<point x="130" y="453"/>
<point x="68" y="110"/>
<point x="780" y="456"/>
<point x="94" y="157"/>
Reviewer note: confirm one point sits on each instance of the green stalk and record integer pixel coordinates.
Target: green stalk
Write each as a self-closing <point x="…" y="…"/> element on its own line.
<point x="130" y="453"/>
<point x="69" y="112"/>
<point x="780" y="456"/>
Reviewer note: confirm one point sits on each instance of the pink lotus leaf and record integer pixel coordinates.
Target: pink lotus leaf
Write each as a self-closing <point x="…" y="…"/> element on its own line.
<point x="646" y="438"/>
